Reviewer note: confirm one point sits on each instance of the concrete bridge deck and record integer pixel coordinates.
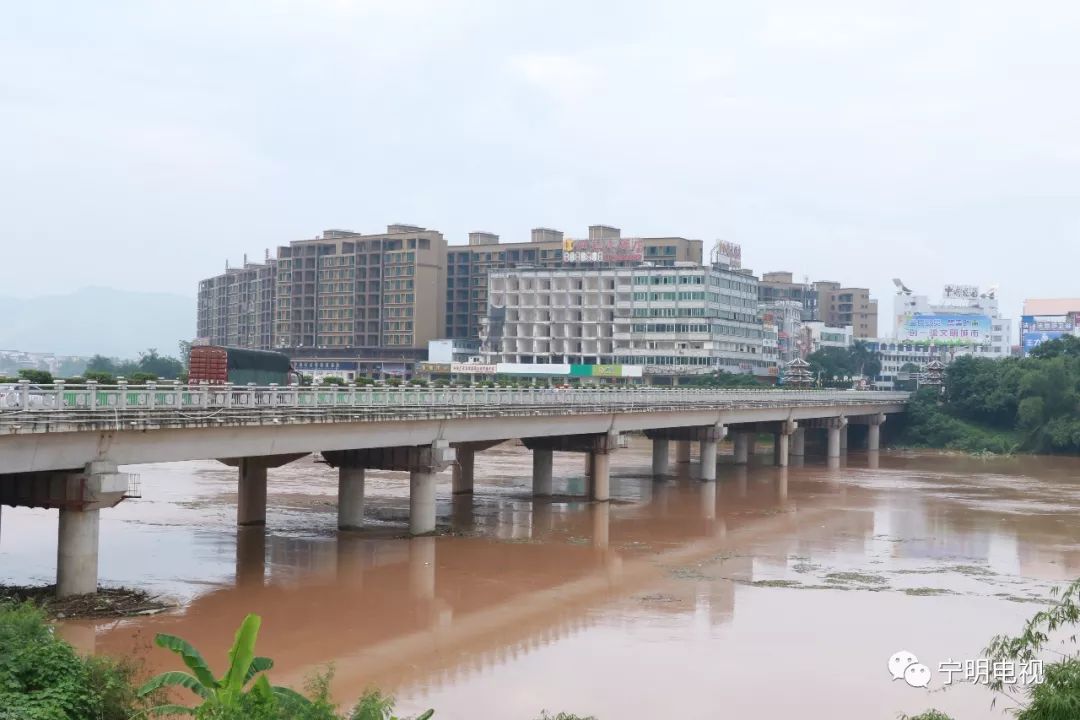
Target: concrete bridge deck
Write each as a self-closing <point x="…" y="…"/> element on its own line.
<point x="61" y="445"/>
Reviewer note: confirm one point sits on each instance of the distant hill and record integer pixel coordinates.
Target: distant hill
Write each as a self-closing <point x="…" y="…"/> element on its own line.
<point x="116" y="323"/>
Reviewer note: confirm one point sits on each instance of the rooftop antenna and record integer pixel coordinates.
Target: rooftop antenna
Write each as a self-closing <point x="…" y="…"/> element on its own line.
<point x="901" y="287"/>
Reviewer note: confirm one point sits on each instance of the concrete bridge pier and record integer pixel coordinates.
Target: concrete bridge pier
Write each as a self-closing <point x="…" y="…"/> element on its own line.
<point x="597" y="449"/>
<point x="600" y="481"/>
<point x="709" y="439"/>
<point x="77" y="552"/>
<point x="780" y="449"/>
<point x="543" y="459"/>
<point x="422" y="462"/>
<point x="873" y="432"/>
<point x="682" y="451"/>
<point x="80" y="495"/>
<point x="251" y="488"/>
<point x="251" y="493"/>
<point x="798" y="442"/>
<point x="742" y="447"/>
<point x="350" y="498"/>
<point x="782" y="442"/>
<point x="751" y="444"/>
<point x="659" y="457"/>
<point x="462" y="471"/>
<point x="837" y="430"/>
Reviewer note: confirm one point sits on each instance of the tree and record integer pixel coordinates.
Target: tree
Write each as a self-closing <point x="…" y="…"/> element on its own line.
<point x="229" y="693"/>
<point x="162" y="366"/>
<point x="100" y="363"/>
<point x="863" y="360"/>
<point x="1066" y="345"/>
<point x="830" y="363"/>
<point x="37" y="377"/>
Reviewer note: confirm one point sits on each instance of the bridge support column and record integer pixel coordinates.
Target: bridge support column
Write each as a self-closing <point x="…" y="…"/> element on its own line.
<point x="742" y="446"/>
<point x="600" y="482"/>
<point x="751" y="444"/>
<point x="798" y="442"/>
<point x="462" y="471"/>
<point x="77" y="552"/>
<point x="708" y="459"/>
<point x="659" y="457"/>
<point x="780" y="449"/>
<point x="709" y="439"/>
<point x="682" y="451"/>
<point x="350" y="509"/>
<point x="251" y="493"/>
<point x="837" y="429"/>
<point x="873" y="434"/>
<point x="421" y="502"/>
<point x="542" y="463"/>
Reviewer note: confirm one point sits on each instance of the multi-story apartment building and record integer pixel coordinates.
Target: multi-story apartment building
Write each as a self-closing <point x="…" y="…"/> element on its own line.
<point x="468" y="266"/>
<point x="236" y="308"/>
<point x="848" y="306"/>
<point x="824" y="301"/>
<point x="357" y="303"/>
<point x="670" y="319"/>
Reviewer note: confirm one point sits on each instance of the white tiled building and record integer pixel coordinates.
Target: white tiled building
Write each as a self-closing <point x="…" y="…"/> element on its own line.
<point x="671" y="320"/>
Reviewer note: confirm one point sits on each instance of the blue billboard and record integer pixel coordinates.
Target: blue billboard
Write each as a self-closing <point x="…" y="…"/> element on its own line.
<point x="1036" y="329"/>
<point x="946" y="329"/>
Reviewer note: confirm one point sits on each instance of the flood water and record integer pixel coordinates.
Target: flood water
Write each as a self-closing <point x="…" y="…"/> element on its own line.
<point x="774" y="592"/>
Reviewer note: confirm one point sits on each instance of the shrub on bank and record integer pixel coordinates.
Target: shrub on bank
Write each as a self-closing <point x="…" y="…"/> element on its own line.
<point x="42" y="677"/>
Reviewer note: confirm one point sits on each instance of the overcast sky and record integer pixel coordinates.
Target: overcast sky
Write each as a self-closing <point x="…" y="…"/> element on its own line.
<point x="143" y="143"/>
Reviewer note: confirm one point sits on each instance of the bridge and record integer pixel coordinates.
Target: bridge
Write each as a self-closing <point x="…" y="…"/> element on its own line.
<point x="61" y="445"/>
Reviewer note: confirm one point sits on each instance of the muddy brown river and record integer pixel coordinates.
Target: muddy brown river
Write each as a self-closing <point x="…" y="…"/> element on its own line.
<point x="773" y="593"/>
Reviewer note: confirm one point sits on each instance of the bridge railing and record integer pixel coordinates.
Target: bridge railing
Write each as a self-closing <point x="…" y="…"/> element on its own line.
<point x="165" y="398"/>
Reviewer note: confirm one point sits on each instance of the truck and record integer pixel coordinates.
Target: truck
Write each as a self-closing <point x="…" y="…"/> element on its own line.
<point x="218" y="365"/>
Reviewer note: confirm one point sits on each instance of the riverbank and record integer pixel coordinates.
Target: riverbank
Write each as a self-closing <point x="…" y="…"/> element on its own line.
<point x="108" y="602"/>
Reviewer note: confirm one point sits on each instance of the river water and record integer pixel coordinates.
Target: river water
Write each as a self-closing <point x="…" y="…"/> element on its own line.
<point x="776" y="592"/>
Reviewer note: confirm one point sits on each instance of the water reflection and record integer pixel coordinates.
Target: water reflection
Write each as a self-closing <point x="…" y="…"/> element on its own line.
<point x="633" y="594"/>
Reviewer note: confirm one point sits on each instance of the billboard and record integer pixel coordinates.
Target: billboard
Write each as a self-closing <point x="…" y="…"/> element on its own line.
<point x="961" y="292"/>
<point x="946" y="329"/>
<point x="1035" y="329"/>
<point x="603" y="250"/>
<point x="728" y="253"/>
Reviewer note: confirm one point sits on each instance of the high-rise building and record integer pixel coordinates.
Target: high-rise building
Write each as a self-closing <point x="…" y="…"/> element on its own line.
<point x="824" y="301"/>
<point x="468" y="266"/>
<point x="848" y="306"/>
<point x="672" y="320"/>
<point x="236" y="308"/>
<point x="357" y="303"/>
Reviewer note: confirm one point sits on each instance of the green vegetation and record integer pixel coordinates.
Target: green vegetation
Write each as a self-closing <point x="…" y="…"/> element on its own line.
<point x="1003" y="406"/>
<point x="42" y="678"/>
<point x="832" y="366"/>
<point x="721" y="379"/>
<point x="243" y="691"/>
<point x="149" y="367"/>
